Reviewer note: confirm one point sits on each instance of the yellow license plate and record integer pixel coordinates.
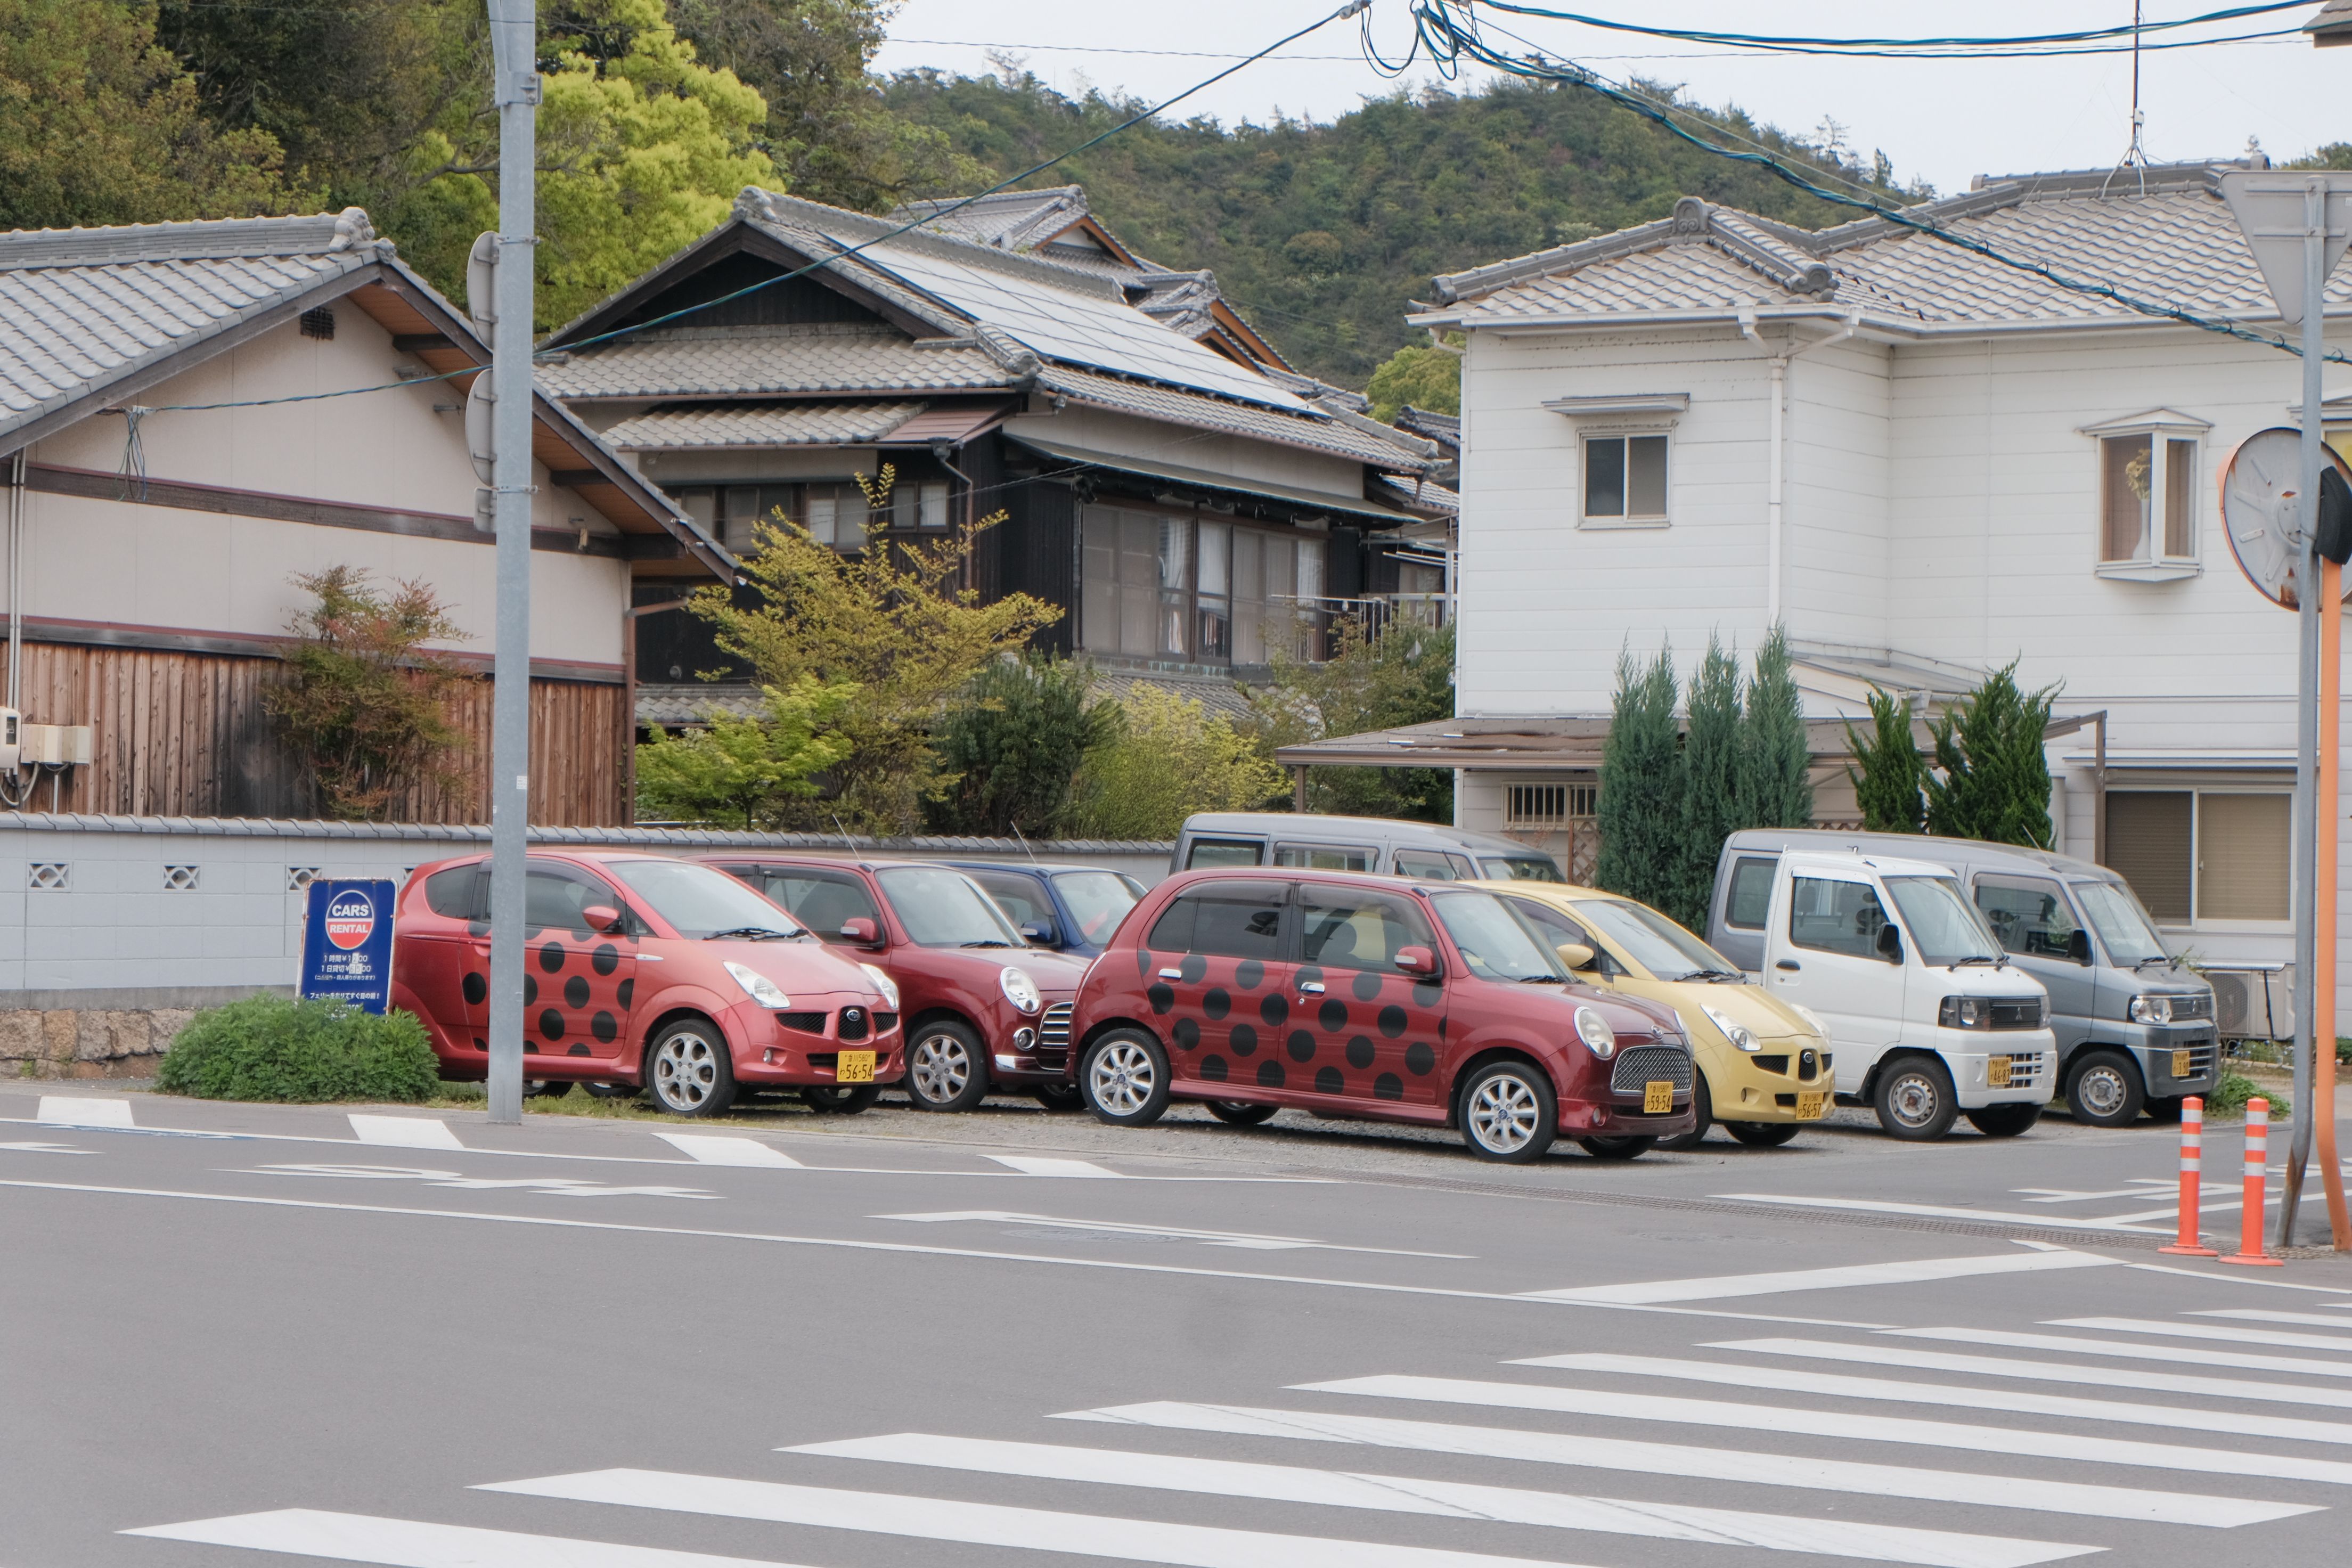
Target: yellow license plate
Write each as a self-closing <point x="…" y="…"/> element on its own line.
<point x="1657" y="1098"/>
<point x="1811" y="1106"/>
<point x="1997" y="1072"/>
<point x="853" y="1067"/>
<point x="2180" y="1064"/>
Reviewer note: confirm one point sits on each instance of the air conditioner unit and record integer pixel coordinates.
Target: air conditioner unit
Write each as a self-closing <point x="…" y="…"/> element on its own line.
<point x="11" y="737"/>
<point x="2253" y="1001"/>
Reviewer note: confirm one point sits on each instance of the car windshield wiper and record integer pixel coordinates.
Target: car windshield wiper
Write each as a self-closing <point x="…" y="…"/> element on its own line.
<point x="2164" y="958"/>
<point x="1996" y="960"/>
<point x="990" y="942"/>
<point x="1714" y="975"/>
<point x="1541" y="980"/>
<point x="750" y="933"/>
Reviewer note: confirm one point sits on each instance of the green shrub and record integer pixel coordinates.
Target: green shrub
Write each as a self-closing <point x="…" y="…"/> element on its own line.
<point x="273" y="1048"/>
<point x="2229" y="1094"/>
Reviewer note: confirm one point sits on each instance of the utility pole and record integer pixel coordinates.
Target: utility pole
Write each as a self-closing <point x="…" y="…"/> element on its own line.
<point x="514" y="74"/>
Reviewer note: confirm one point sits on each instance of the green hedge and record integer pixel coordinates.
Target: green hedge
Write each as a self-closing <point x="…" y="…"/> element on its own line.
<point x="273" y="1048"/>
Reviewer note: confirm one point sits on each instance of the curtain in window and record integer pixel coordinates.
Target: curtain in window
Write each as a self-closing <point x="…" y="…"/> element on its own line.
<point x="2148" y="842"/>
<point x="2127" y="477"/>
<point x="2243" y="857"/>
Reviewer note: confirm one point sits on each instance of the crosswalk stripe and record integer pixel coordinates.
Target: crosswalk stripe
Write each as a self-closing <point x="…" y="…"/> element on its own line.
<point x="1861" y="1477"/>
<point x="1839" y="1424"/>
<point x="709" y="1151"/>
<point x="2042" y="1371"/>
<point x="71" y="1110"/>
<point x="2256" y="1315"/>
<point x="1659" y="1291"/>
<point x="1800" y="1380"/>
<point x="404" y="1132"/>
<point x="1450" y="1499"/>
<point x="410" y="1544"/>
<point x="2245" y="1359"/>
<point x="1933" y="1210"/>
<point x="2204" y="1332"/>
<point x="990" y="1524"/>
<point x="1032" y="1165"/>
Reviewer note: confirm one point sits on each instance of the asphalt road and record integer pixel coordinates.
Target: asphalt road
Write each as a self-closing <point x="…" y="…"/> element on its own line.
<point x="232" y="1336"/>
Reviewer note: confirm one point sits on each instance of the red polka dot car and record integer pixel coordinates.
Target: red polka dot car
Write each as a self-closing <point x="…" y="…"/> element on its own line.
<point x="1359" y="996"/>
<point x="646" y="972"/>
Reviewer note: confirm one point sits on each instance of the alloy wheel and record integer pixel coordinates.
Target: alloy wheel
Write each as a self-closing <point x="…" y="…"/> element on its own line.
<point x="938" y="1067"/>
<point x="686" y="1070"/>
<point x="1120" y="1077"/>
<point x="1503" y="1113"/>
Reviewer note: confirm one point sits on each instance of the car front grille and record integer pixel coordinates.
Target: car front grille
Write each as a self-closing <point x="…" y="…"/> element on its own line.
<point x="856" y="1023"/>
<point x="1809" y="1064"/>
<point x="2192" y="1009"/>
<point x="2025" y="1068"/>
<point x="1053" y="1028"/>
<point x="806" y="1022"/>
<point x="1647" y="1064"/>
<point x="1772" y="1064"/>
<point x="2025" y="1013"/>
<point x="885" y="1022"/>
<point x="2200" y="1060"/>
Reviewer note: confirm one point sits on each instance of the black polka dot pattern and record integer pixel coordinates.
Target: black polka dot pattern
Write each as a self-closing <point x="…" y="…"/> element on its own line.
<point x="1425" y="993"/>
<point x="1332" y="1015"/>
<point x="1243" y="1040"/>
<point x="550" y="1025"/>
<point x="1143" y="961"/>
<point x="575" y="992"/>
<point x="1194" y="969"/>
<point x="1187" y="1034"/>
<point x="1392" y="1021"/>
<point x="1301" y="1045"/>
<point x="627" y="994"/>
<point x="1387" y="1086"/>
<point x="604" y="1027"/>
<point x="1367" y="986"/>
<point x="1359" y="1053"/>
<point x="550" y="957"/>
<point x="1217" y="1003"/>
<point x="580" y="1050"/>
<point x="1249" y="973"/>
<point x="606" y="958"/>
<point x="1274" y="1011"/>
<point x="1163" y="998"/>
<point x="1328" y="1081"/>
<point x="1270" y="1074"/>
<point x="1214" y="1069"/>
<point x="477" y="988"/>
<point x="1418" y="1058"/>
<point x="530" y="990"/>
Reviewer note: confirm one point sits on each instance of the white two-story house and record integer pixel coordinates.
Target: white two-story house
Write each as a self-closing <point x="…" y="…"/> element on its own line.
<point x="1924" y="463"/>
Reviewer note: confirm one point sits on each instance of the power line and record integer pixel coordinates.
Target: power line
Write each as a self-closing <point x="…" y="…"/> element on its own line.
<point x="1804" y="45"/>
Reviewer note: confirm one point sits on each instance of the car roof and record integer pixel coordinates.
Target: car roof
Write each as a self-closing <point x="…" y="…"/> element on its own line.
<point x="1035" y="868"/>
<point x="820" y="862"/>
<point x="1372" y="879"/>
<point x="1913" y="845"/>
<point x="1306" y="824"/>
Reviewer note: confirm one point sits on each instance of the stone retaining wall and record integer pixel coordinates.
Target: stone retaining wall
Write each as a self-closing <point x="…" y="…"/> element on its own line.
<point x="86" y="1042"/>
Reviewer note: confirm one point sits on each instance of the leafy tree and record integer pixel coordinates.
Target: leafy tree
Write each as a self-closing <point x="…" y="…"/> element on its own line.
<point x="744" y="768"/>
<point x="888" y="620"/>
<point x="363" y="702"/>
<point x="1421" y="374"/>
<point x="101" y="125"/>
<point x="1711" y="775"/>
<point x="1888" y="772"/>
<point x="1641" y="783"/>
<point x="1776" y="785"/>
<point x="1402" y="675"/>
<point x="1996" y="775"/>
<point x="1168" y="759"/>
<point x="1012" y="743"/>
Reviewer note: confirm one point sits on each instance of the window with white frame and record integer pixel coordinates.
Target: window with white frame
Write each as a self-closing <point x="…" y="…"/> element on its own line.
<point x="2149" y="500"/>
<point x="2204" y="858"/>
<point x="1626" y="477"/>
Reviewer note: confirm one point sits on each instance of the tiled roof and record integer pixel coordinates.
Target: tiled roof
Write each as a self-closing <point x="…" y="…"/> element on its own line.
<point x="1316" y="435"/>
<point x="1217" y="695"/>
<point x="699" y="425"/>
<point x="1422" y="495"/>
<point x="2170" y="241"/>
<point x="1009" y="220"/>
<point x="746" y="362"/>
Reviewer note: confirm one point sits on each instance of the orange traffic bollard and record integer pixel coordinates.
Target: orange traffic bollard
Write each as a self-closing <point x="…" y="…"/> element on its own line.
<point x="2192" y="1158"/>
<point x="2258" y="1159"/>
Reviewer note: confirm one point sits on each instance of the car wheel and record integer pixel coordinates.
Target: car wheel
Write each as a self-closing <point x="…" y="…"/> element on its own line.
<point x="1702" y="1116"/>
<point x="2103" y="1089"/>
<point x="1125" y="1079"/>
<point x="2004" y="1120"/>
<point x="1914" y="1099"/>
<point x="546" y="1088"/>
<point x="1235" y="1113"/>
<point x="2164" y="1109"/>
<point x="1509" y="1114"/>
<point x="840" y="1099"/>
<point x="690" y="1070"/>
<point x="946" y="1068"/>
<point x="614" y="1091"/>
<point x="1631" y="1148"/>
<point x="1059" y="1097"/>
<point x="1761" y="1134"/>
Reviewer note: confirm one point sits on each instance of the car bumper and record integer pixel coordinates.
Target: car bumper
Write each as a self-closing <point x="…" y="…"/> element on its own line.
<point x="1033" y="1049"/>
<point x="1603" y="1119"/>
<point x="2156" y="1048"/>
<point x="768" y="1054"/>
<point x="2032" y="1067"/>
<point x="1776" y="1083"/>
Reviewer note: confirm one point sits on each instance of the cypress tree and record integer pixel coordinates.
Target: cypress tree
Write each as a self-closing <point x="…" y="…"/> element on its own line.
<point x="1888" y="772"/>
<point x="1711" y="778"/>
<point x="1776" y="791"/>
<point x="1996" y="782"/>
<point x="1639" y="809"/>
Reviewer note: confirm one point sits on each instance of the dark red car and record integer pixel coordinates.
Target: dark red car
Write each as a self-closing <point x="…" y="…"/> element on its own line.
<point x="983" y="1008"/>
<point x="1370" y="996"/>
<point x="646" y="972"/>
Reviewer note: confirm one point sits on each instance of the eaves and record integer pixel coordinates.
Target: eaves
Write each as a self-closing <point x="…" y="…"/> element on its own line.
<point x="1879" y="328"/>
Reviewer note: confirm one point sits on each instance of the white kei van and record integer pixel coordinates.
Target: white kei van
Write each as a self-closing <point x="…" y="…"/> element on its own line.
<point x="1927" y="1019"/>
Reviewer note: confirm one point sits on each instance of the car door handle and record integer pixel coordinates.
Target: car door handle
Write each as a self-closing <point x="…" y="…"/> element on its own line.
<point x="1311" y="988"/>
<point x="1171" y="975"/>
<point x="1790" y="964"/>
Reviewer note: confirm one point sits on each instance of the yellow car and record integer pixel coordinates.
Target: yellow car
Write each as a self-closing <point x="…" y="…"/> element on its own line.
<point x="1764" y="1063"/>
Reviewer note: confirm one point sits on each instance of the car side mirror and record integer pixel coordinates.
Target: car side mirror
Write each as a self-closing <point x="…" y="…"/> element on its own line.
<point x="1890" y="944"/>
<point x="1576" y="955"/>
<point x="604" y="918"/>
<point x="862" y="931"/>
<point x="1416" y="960"/>
<point x="2078" y="945"/>
<point x="1037" y="931"/>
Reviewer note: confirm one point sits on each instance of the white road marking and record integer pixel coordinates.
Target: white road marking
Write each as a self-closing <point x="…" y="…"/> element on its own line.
<point x="47" y="1149"/>
<point x="549" y="1186"/>
<point x="1788" y="1471"/>
<point x="2255" y="1315"/>
<point x="1934" y="1211"/>
<point x="2146" y="1187"/>
<point x="1450" y="1499"/>
<point x="1918" y="1270"/>
<point x="720" y="1151"/>
<point x="410" y="1543"/>
<point x="2241" y="1277"/>
<point x="1801" y="1380"/>
<point x="67" y="1110"/>
<point x="1247" y="1240"/>
<point x="1839" y="1424"/>
<point x="2178" y="1355"/>
<point x="1029" y="1166"/>
<point x="2042" y="1371"/>
<point x="404" y="1132"/>
<point x="2203" y="1331"/>
<point x="989" y="1524"/>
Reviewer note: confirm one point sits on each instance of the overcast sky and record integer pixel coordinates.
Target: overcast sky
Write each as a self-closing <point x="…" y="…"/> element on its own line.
<point x="1944" y="120"/>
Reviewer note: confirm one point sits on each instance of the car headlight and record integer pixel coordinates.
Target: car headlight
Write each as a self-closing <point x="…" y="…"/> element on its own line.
<point x="758" y="987"/>
<point x="2151" y="1009"/>
<point x="1965" y="1012"/>
<point x="1739" y="1035"/>
<point x="883" y="983"/>
<point x="1809" y="1016"/>
<point x="1020" y="990"/>
<point x="1594" y="1031"/>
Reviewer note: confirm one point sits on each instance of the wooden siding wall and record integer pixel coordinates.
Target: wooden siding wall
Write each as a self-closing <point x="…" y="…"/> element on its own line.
<point x="186" y="734"/>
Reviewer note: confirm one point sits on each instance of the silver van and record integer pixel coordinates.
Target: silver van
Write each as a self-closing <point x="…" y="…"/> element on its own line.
<point x="1425" y="851"/>
<point x="2134" y="1028"/>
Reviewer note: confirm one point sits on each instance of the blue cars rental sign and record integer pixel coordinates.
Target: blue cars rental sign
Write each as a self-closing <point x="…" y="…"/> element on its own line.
<point x="347" y="943"/>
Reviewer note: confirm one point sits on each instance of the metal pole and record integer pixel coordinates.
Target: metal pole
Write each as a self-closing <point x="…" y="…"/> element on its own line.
<point x="514" y="42"/>
<point x="2329" y="817"/>
<point x="2307" y="770"/>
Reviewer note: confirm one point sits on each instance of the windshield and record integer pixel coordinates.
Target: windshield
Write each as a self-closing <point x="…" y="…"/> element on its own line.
<point x="2129" y="935"/>
<point x="1653" y="942"/>
<point x="1944" y="928"/>
<point x="941" y="907"/>
<point x="1521" y="868"/>
<point x="1098" y="901"/>
<point x="699" y="900"/>
<point x="1496" y="943"/>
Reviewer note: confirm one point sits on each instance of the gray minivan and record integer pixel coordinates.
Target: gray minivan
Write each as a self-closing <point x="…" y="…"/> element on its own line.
<point x="1425" y="851"/>
<point x="2134" y="1028"/>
